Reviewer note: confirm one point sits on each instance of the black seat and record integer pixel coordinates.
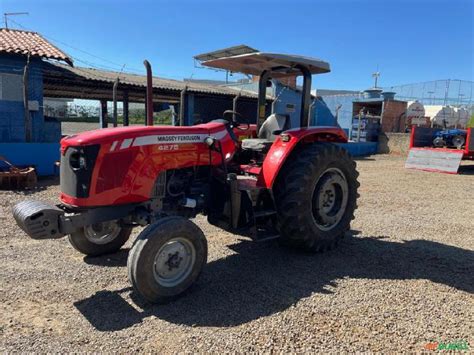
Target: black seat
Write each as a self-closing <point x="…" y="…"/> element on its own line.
<point x="273" y="126"/>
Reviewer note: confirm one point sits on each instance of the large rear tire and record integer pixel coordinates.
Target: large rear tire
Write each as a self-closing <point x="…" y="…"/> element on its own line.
<point x="166" y="259"/>
<point x="101" y="238"/>
<point x="316" y="196"/>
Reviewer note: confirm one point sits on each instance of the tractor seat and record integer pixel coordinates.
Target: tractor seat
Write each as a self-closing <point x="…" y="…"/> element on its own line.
<point x="271" y="127"/>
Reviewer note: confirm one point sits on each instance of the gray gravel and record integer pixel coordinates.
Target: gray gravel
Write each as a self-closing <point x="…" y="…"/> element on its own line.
<point x="403" y="279"/>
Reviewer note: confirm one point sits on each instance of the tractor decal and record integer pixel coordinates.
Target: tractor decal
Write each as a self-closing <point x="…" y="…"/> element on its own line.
<point x="165" y="139"/>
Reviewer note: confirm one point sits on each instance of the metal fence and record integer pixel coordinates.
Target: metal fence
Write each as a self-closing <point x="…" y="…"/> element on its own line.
<point x="458" y="93"/>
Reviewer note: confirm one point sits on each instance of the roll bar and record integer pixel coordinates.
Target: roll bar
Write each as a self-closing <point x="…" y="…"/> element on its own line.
<point x="305" y="95"/>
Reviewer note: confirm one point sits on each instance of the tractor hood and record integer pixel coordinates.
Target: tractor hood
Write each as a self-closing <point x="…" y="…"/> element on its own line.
<point x="138" y="135"/>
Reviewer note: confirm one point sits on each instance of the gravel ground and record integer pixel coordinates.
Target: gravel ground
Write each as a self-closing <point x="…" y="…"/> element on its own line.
<point x="402" y="278"/>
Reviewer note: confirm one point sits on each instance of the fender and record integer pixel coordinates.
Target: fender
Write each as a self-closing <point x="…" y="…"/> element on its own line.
<point x="281" y="150"/>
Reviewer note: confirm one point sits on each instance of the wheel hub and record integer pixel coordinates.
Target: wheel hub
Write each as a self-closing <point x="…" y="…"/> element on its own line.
<point x="329" y="200"/>
<point x="174" y="262"/>
<point x="102" y="233"/>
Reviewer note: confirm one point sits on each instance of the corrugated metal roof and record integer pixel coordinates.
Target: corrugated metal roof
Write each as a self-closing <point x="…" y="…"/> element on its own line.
<point x="140" y="80"/>
<point x="24" y="42"/>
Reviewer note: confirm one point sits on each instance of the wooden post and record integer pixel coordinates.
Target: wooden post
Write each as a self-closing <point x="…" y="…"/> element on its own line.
<point x="182" y="106"/>
<point x="125" y="108"/>
<point x="114" y="96"/>
<point x="25" y="100"/>
<point x="103" y="114"/>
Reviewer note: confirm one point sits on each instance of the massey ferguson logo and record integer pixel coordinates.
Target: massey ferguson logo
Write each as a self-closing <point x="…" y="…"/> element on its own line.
<point x="178" y="139"/>
<point x="159" y="139"/>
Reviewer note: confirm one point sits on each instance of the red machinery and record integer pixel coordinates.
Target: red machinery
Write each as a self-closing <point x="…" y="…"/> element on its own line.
<point x="291" y="183"/>
<point x="423" y="156"/>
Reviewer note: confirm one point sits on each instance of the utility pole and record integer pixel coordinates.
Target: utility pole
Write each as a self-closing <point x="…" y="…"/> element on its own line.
<point x="6" y="14"/>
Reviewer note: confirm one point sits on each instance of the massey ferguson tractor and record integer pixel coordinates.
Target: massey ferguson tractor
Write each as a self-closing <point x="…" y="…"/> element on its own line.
<point x="291" y="183"/>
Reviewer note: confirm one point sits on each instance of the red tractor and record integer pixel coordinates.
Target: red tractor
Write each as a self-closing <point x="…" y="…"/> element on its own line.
<point x="293" y="183"/>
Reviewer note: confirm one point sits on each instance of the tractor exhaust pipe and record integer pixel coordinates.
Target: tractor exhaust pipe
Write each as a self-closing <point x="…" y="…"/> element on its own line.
<point x="149" y="94"/>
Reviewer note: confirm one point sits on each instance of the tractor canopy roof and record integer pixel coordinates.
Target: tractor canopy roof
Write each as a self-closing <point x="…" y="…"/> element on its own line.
<point x="280" y="65"/>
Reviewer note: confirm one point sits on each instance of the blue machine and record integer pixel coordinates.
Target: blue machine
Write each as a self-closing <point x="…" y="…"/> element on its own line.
<point x="451" y="138"/>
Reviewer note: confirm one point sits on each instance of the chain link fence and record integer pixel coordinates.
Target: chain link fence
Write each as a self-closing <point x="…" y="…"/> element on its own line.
<point x="456" y="93"/>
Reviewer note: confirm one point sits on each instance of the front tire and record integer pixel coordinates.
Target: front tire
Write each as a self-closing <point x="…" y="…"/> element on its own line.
<point x="166" y="259"/>
<point x="458" y="141"/>
<point x="101" y="238"/>
<point x="316" y="196"/>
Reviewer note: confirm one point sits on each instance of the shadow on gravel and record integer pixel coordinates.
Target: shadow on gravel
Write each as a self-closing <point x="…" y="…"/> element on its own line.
<point x="41" y="185"/>
<point x="262" y="279"/>
<point x="466" y="169"/>
<point x="112" y="260"/>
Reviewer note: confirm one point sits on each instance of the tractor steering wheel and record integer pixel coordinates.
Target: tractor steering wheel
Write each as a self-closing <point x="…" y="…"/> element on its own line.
<point x="235" y="124"/>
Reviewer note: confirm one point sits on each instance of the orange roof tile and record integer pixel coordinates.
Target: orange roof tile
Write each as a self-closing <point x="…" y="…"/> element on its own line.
<point x="22" y="42"/>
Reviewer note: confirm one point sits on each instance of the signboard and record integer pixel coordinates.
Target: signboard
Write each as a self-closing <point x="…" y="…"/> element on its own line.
<point x="290" y="108"/>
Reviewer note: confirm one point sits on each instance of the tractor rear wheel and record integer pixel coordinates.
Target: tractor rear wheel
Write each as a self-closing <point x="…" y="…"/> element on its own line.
<point x="100" y="238"/>
<point x="166" y="259"/>
<point x="316" y="196"/>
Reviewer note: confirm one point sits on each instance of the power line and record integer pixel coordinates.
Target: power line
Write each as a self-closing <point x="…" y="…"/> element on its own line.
<point x="96" y="66"/>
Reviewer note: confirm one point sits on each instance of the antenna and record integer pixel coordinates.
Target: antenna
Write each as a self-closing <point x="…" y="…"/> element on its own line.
<point x="6" y="14"/>
<point x="376" y="76"/>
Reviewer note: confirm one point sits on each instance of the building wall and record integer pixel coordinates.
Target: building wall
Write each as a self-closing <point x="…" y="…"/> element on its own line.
<point x="345" y="112"/>
<point x="393" y="117"/>
<point x="12" y="122"/>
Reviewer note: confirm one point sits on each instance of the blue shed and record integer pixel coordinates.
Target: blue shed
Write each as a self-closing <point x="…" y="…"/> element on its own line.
<point x="26" y="137"/>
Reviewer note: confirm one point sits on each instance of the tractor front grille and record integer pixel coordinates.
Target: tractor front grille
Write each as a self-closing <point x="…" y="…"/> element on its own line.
<point x="77" y="165"/>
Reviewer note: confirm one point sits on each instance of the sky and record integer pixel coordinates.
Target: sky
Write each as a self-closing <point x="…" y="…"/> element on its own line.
<point x="407" y="41"/>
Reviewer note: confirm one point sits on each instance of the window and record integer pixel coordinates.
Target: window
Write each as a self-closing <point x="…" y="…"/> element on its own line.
<point x="11" y="87"/>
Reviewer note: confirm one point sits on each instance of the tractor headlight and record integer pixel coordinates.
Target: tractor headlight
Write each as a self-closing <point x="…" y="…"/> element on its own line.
<point x="78" y="160"/>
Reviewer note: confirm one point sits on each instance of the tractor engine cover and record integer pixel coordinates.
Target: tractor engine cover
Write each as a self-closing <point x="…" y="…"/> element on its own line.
<point x="38" y="219"/>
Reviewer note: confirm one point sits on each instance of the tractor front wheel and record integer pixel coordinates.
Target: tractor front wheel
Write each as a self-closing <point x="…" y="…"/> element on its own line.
<point x="101" y="238"/>
<point x="316" y="196"/>
<point x="166" y="259"/>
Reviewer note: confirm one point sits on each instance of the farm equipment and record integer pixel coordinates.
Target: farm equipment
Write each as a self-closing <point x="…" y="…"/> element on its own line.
<point x="291" y="183"/>
<point x="430" y="149"/>
<point x="13" y="178"/>
<point x="451" y="138"/>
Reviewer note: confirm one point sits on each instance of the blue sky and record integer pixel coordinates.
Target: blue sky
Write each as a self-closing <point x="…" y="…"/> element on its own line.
<point x="409" y="41"/>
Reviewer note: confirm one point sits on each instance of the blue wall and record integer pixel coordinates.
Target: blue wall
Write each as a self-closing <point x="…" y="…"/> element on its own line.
<point x="42" y="156"/>
<point x="12" y="122"/>
<point x="345" y="113"/>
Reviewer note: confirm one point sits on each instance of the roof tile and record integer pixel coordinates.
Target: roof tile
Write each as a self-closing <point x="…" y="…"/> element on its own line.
<point x="24" y="42"/>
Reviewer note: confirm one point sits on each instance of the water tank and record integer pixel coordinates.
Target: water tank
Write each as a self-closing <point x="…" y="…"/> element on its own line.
<point x="462" y="117"/>
<point x="441" y="116"/>
<point x="415" y="110"/>
<point x="388" y="95"/>
<point x="373" y="93"/>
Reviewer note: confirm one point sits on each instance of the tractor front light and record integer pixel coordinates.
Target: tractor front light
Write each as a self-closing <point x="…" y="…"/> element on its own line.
<point x="78" y="160"/>
<point x="210" y="141"/>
